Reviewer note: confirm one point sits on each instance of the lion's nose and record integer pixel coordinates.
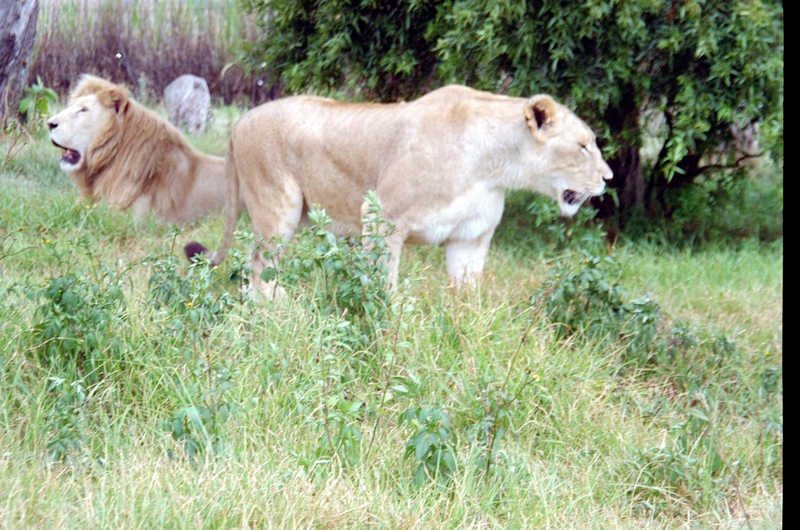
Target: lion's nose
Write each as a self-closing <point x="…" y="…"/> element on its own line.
<point x="52" y="123"/>
<point x="608" y="175"/>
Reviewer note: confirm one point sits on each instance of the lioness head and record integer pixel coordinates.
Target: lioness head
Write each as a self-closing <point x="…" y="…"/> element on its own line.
<point x="575" y="164"/>
<point x="90" y="112"/>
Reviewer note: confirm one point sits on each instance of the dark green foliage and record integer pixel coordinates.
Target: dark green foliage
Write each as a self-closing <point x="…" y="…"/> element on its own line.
<point x="76" y="323"/>
<point x="432" y="444"/>
<point x="37" y="101"/>
<point x="340" y="431"/>
<point x="194" y="305"/>
<point x="494" y="407"/>
<point x="711" y="69"/>
<point x="349" y="277"/>
<point x="385" y="47"/>
<point x="194" y="302"/>
<point x="579" y="232"/>
<point x="587" y="300"/>
<point x="65" y="421"/>
<point x="199" y="426"/>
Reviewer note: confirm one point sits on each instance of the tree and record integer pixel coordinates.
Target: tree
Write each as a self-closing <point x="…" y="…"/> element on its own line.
<point x="382" y="48"/>
<point x="709" y="67"/>
<point x="17" y="33"/>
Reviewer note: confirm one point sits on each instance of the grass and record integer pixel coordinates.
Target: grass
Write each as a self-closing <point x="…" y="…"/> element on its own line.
<point x="689" y="435"/>
<point x="146" y="44"/>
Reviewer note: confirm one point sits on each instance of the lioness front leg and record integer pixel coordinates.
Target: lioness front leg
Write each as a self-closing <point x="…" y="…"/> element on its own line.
<point x="465" y="259"/>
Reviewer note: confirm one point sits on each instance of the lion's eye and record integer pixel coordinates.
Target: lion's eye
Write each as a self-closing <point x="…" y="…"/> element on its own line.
<point x="82" y="109"/>
<point x="583" y="146"/>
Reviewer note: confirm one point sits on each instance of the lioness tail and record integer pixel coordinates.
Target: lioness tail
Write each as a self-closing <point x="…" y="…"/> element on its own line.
<point x="231" y="214"/>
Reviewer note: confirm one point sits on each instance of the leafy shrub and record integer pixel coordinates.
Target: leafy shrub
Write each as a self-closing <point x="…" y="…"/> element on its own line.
<point x="340" y="431"/>
<point x="194" y="302"/>
<point x="77" y="322"/>
<point x="348" y="277"/>
<point x="432" y="444"/>
<point x="65" y="421"/>
<point x="199" y="426"/>
<point x="582" y="231"/>
<point x="588" y="302"/>
<point x="35" y="106"/>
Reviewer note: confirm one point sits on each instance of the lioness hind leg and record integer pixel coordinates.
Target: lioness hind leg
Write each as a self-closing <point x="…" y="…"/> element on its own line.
<point x="465" y="259"/>
<point x="274" y="214"/>
<point x="268" y="289"/>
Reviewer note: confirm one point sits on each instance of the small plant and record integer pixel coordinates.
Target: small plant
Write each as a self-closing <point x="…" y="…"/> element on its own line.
<point x="341" y="434"/>
<point x="65" y="421"/>
<point x="432" y="445"/>
<point x="199" y="426"/>
<point x="494" y="408"/>
<point x="76" y="323"/>
<point x="581" y="231"/>
<point x="194" y="302"/>
<point x="350" y="276"/>
<point x="585" y="301"/>
<point x="35" y="104"/>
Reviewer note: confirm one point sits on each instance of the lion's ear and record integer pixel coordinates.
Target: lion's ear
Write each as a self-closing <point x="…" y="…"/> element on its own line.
<point x="540" y="113"/>
<point x="114" y="98"/>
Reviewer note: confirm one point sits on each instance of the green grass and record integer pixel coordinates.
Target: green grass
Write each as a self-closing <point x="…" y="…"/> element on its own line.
<point x="692" y="437"/>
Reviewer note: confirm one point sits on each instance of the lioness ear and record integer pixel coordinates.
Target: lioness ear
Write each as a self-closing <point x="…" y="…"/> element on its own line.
<point x="114" y="98"/>
<point x="540" y="112"/>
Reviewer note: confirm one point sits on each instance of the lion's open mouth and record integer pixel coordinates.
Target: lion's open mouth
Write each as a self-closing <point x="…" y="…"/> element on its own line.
<point x="70" y="156"/>
<point x="572" y="197"/>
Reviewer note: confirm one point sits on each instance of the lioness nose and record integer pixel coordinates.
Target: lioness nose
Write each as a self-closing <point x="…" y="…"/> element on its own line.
<point x="52" y="123"/>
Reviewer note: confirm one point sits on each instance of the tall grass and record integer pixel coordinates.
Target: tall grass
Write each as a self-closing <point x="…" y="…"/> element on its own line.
<point x="146" y="44"/>
<point x="548" y="427"/>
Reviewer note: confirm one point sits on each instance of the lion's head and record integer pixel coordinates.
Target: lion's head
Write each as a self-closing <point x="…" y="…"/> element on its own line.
<point x="575" y="164"/>
<point x="88" y="117"/>
<point x="117" y="150"/>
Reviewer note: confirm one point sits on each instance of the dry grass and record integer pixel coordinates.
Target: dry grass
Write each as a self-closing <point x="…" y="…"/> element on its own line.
<point x="145" y="44"/>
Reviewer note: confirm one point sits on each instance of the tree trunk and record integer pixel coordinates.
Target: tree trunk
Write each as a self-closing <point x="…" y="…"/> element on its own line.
<point x="628" y="179"/>
<point x="17" y="34"/>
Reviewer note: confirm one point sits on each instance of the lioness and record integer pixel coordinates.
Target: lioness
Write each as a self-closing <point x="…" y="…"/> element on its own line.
<point x="440" y="166"/>
<point x="118" y="150"/>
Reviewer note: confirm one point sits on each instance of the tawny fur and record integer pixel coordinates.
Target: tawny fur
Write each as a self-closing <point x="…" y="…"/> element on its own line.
<point x="140" y="161"/>
<point x="440" y="166"/>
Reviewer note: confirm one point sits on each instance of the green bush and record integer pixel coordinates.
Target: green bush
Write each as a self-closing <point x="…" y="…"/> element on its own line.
<point x="709" y="68"/>
<point x="348" y="277"/>
<point x="77" y="323"/>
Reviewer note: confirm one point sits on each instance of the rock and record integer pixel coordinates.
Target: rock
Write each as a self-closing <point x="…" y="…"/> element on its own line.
<point x="187" y="100"/>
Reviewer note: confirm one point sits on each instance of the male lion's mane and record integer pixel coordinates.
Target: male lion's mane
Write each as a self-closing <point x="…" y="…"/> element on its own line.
<point x="137" y="153"/>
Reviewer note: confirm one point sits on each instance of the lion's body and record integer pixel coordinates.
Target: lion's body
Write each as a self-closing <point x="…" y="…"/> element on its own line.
<point x="117" y="150"/>
<point x="440" y="166"/>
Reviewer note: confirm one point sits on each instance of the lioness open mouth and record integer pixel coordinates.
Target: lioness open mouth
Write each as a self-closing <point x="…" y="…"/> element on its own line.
<point x="572" y="197"/>
<point x="70" y="156"/>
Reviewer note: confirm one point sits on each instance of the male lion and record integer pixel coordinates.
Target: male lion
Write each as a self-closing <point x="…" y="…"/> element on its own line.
<point x="118" y="150"/>
<point x="440" y="166"/>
